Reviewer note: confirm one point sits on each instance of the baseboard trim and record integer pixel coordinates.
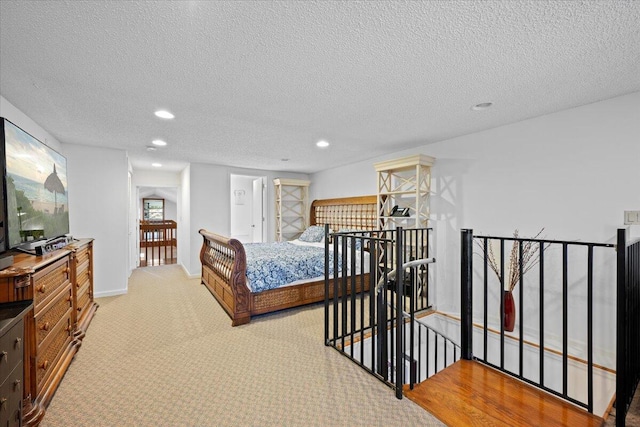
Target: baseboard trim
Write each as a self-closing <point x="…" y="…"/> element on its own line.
<point x="189" y="275"/>
<point x="110" y="293"/>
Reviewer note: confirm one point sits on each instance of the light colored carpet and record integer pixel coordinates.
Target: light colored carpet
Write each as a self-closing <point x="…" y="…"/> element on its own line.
<point x="633" y="416"/>
<point x="165" y="354"/>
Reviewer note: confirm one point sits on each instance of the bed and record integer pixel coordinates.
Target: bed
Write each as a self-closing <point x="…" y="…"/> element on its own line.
<point x="224" y="263"/>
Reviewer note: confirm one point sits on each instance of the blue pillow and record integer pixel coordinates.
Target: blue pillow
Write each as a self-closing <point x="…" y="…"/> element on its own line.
<point x="313" y="234"/>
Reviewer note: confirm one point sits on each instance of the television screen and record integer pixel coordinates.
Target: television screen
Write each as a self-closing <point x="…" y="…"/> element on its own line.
<point x="36" y="189"/>
<point x="3" y="241"/>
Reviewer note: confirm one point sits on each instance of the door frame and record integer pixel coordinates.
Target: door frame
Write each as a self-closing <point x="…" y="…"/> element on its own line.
<point x="249" y="197"/>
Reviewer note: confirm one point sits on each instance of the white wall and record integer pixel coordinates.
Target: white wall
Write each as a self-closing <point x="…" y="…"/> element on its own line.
<point x="18" y="118"/>
<point x="184" y="221"/>
<point x="147" y="178"/>
<point x="209" y="208"/>
<point x="132" y="222"/>
<point x="573" y="172"/>
<point x="170" y="210"/>
<point x="99" y="208"/>
<point x="210" y="204"/>
<point x="356" y="179"/>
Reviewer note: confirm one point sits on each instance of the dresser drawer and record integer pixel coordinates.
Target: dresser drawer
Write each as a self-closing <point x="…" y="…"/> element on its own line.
<point x="11" y="349"/>
<point x="84" y="299"/>
<point x="83" y="256"/>
<point x="83" y="276"/>
<point x="49" y="280"/>
<point x="49" y="352"/>
<point x="11" y="398"/>
<point x="52" y="313"/>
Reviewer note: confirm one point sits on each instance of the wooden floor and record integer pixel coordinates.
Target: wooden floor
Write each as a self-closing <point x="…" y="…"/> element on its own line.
<point x="162" y="255"/>
<point x="471" y="394"/>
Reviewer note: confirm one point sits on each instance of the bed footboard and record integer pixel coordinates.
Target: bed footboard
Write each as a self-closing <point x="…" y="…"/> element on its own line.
<point x="224" y="266"/>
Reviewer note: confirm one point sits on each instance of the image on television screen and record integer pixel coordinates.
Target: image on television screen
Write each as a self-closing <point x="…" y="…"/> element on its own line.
<point x="36" y="184"/>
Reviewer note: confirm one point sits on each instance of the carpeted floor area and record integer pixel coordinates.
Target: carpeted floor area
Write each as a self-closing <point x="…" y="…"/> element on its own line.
<point x="165" y="354"/>
<point x="633" y="415"/>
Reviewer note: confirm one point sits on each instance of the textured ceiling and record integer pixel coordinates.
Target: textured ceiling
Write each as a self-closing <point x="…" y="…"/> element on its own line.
<point x="252" y="83"/>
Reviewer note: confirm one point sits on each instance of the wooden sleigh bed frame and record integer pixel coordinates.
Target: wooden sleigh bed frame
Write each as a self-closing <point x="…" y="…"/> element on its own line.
<point x="224" y="263"/>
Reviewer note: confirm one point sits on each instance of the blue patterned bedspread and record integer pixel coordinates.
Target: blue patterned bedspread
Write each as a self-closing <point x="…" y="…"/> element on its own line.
<point x="271" y="265"/>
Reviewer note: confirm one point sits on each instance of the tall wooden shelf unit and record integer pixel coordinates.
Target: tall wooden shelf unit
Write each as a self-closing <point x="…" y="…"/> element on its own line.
<point x="292" y="208"/>
<point x="405" y="183"/>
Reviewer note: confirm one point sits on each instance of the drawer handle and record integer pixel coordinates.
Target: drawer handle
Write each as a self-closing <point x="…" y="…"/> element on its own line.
<point x="68" y="298"/>
<point x="16" y="385"/>
<point x="42" y="289"/>
<point x="18" y="343"/>
<point x="4" y="356"/>
<point x="67" y="328"/>
<point x="44" y="365"/>
<point x="3" y="400"/>
<point x="45" y="326"/>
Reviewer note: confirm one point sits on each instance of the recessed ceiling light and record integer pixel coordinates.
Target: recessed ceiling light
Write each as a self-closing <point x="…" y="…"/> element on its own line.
<point x="156" y="165"/>
<point x="482" y="106"/>
<point x="164" y="114"/>
<point x="322" y="143"/>
<point x="150" y="148"/>
<point x="159" y="142"/>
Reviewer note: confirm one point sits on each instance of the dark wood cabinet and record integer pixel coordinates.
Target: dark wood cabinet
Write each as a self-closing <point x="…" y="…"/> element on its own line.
<point x="11" y="361"/>
<point x="60" y="284"/>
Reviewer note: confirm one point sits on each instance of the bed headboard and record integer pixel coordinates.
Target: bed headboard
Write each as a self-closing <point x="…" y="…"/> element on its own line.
<point x="359" y="213"/>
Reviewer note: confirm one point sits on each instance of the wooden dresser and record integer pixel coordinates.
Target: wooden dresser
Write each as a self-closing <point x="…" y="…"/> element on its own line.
<point x="12" y="316"/>
<point x="61" y="286"/>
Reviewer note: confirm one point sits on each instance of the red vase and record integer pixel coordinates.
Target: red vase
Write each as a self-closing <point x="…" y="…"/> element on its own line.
<point x="509" y="311"/>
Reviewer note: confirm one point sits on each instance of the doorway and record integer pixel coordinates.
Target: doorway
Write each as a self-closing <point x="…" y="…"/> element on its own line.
<point x="247" y="208"/>
<point x="157" y="236"/>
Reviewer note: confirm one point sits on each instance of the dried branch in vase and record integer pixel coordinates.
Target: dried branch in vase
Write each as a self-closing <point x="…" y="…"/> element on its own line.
<point x="530" y="257"/>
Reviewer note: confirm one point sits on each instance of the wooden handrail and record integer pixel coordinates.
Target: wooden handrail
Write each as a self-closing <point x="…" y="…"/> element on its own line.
<point x="158" y="224"/>
<point x="161" y="235"/>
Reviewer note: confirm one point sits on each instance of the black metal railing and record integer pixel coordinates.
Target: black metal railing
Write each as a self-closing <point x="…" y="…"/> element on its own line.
<point x="380" y="328"/>
<point x="370" y="326"/>
<point x="628" y="324"/>
<point x="554" y="265"/>
<point x="429" y="351"/>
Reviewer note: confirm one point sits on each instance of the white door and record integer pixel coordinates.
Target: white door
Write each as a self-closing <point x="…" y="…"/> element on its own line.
<point x="257" y="215"/>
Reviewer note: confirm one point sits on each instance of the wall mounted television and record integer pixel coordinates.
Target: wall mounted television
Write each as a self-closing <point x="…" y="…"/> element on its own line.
<point x="34" y="185"/>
